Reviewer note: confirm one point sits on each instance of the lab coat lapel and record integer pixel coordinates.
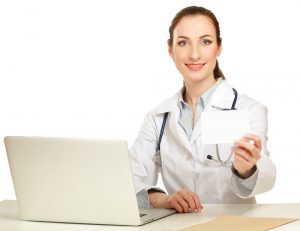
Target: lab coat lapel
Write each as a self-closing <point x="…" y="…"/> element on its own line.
<point x="177" y="131"/>
<point x="174" y="128"/>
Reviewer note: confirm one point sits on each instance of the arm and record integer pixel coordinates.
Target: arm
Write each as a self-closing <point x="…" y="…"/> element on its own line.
<point x="145" y="171"/>
<point x="255" y="171"/>
<point x="182" y="201"/>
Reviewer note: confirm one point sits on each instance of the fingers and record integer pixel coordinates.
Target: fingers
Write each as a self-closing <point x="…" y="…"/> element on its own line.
<point x="184" y="204"/>
<point x="250" y="144"/>
<point x="198" y="204"/>
<point x="185" y="201"/>
<point x="179" y="207"/>
<point x="242" y="165"/>
<point x="246" y="152"/>
<point x="256" y="139"/>
<point x="192" y="199"/>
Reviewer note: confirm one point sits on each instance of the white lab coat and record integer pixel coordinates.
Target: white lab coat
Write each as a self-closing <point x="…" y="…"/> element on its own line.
<point x="184" y="162"/>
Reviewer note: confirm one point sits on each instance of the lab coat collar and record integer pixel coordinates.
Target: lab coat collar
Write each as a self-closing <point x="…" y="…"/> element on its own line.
<point x="221" y="99"/>
<point x="170" y="104"/>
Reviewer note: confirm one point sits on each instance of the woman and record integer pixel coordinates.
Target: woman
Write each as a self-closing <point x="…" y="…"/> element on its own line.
<point x="190" y="175"/>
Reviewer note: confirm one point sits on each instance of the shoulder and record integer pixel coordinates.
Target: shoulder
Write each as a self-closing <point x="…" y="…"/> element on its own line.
<point x="246" y="102"/>
<point x="155" y="116"/>
<point x="168" y="105"/>
<point x="225" y="95"/>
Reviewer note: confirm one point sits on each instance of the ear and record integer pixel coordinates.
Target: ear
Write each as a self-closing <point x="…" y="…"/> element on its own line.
<point x="170" y="49"/>
<point x="220" y="50"/>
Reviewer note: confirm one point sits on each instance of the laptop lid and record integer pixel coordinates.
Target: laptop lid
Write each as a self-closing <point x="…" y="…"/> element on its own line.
<point x="73" y="180"/>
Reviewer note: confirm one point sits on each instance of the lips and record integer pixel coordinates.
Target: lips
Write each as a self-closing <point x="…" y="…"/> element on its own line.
<point x="195" y="67"/>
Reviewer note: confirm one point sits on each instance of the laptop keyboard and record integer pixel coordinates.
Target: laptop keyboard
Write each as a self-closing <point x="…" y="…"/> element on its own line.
<point x="142" y="214"/>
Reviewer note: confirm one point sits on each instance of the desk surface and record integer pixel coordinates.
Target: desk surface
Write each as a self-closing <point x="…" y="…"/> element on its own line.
<point x="9" y="218"/>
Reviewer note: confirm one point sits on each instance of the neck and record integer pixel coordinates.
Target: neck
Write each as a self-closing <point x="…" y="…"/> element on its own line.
<point x="194" y="90"/>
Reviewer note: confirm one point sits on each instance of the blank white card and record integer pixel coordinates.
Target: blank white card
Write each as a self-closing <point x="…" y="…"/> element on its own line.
<point x="224" y="126"/>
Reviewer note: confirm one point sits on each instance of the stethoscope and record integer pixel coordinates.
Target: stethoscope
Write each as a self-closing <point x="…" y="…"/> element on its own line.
<point x="157" y="158"/>
<point x="227" y="162"/>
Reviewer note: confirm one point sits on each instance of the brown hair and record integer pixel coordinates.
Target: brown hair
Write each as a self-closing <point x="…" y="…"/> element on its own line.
<point x="193" y="11"/>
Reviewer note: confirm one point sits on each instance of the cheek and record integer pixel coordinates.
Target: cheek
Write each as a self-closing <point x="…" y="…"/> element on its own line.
<point x="179" y="63"/>
<point x="216" y="52"/>
<point x="211" y="53"/>
<point x="179" y="56"/>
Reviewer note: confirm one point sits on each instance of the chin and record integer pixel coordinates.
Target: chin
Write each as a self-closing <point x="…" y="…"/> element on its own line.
<point x="195" y="78"/>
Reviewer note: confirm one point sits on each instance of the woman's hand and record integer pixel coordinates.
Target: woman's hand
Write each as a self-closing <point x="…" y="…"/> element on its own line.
<point x="183" y="201"/>
<point x="246" y="154"/>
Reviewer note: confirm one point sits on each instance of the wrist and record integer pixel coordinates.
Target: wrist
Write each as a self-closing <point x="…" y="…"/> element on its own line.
<point x="244" y="174"/>
<point x="158" y="199"/>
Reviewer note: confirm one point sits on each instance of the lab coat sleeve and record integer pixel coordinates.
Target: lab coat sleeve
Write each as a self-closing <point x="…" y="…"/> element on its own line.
<point x="145" y="170"/>
<point x="143" y="200"/>
<point x="264" y="177"/>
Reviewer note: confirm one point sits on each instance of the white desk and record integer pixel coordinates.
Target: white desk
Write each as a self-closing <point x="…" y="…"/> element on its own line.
<point x="9" y="220"/>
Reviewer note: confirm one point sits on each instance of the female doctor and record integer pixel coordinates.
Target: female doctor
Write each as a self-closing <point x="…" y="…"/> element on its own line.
<point x="170" y="138"/>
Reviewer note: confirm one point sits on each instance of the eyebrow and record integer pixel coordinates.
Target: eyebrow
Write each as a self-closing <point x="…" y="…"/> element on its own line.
<point x="201" y="37"/>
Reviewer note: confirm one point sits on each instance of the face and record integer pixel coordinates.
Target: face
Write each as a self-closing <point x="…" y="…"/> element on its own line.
<point x="195" y="49"/>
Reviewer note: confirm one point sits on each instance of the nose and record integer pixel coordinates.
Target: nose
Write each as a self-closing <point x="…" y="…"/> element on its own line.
<point x="195" y="53"/>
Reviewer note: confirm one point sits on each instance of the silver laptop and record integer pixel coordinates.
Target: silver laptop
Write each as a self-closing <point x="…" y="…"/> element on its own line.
<point x="75" y="180"/>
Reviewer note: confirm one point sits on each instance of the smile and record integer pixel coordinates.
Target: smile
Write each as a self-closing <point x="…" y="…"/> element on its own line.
<point x="195" y="67"/>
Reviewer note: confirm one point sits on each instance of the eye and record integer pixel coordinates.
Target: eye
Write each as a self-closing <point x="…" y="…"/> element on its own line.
<point x="182" y="43"/>
<point x="206" y="42"/>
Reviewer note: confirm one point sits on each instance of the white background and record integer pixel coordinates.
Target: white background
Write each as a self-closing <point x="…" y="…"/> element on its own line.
<point x="95" y="68"/>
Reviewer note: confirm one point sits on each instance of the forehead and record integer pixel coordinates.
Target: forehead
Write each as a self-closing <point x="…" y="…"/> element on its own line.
<point x="197" y="25"/>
